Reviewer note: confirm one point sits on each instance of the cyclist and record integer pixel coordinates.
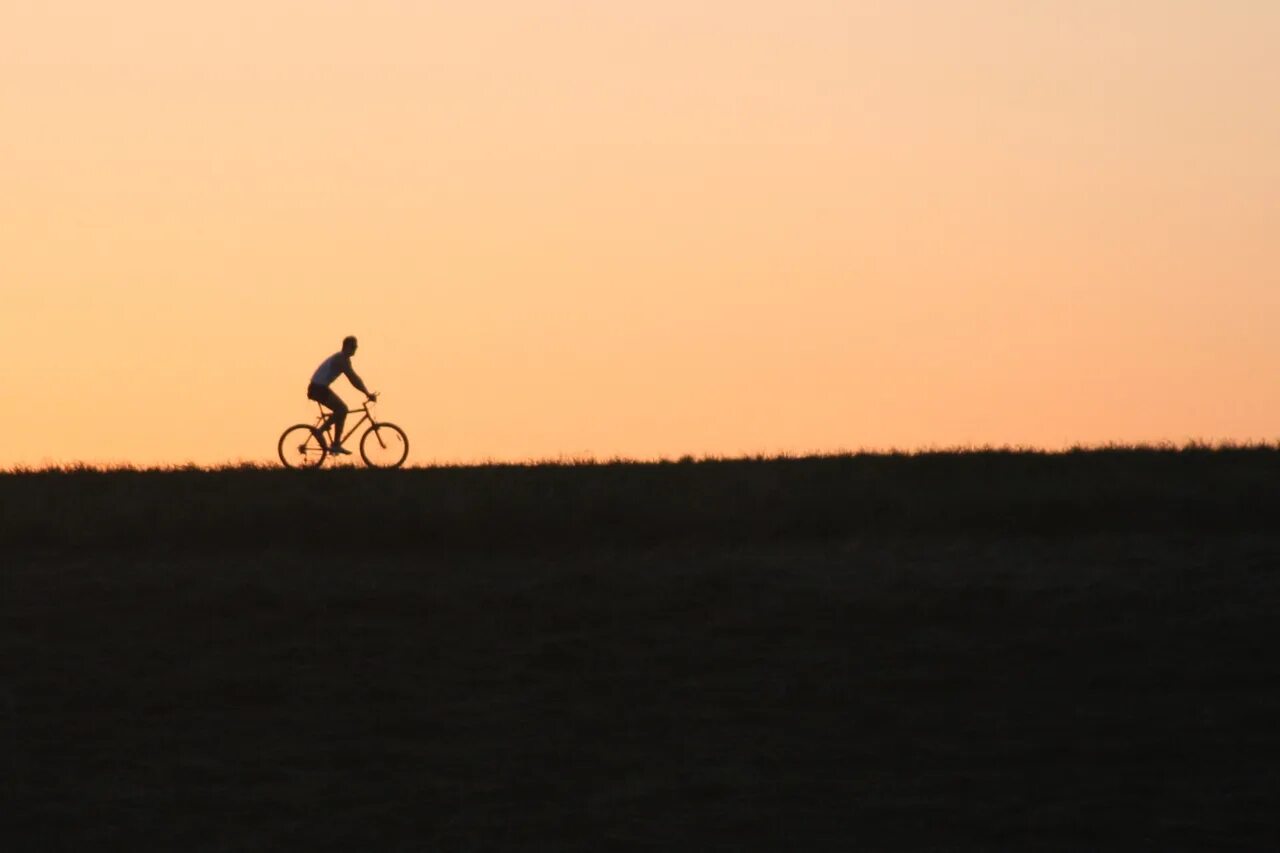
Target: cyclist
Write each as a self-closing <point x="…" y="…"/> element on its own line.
<point x="330" y="369"/>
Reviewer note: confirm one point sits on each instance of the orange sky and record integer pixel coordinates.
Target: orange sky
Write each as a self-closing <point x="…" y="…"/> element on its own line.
<point x="586" y="228"/>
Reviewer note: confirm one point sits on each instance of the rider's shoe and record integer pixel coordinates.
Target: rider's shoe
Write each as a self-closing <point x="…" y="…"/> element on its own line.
<point x="339" y="450"/>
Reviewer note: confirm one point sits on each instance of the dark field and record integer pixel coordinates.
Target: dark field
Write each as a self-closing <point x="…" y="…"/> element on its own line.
<point x="949" y="651"/>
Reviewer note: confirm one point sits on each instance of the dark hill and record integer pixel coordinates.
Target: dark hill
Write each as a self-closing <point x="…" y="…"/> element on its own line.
<point x="980" y="651"/>
<point x="534" y="507"/>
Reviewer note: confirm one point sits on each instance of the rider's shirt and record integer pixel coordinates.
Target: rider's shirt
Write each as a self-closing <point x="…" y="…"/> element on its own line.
<point x="331" y="368"/>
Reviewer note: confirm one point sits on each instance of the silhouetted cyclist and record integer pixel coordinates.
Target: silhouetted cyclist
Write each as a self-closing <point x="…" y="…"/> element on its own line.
<point x="330" y="369"/>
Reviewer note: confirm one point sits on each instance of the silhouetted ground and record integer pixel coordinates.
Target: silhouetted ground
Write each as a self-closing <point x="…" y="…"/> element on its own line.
<point x="552" y="507"/>
<point x="899" y="683"/>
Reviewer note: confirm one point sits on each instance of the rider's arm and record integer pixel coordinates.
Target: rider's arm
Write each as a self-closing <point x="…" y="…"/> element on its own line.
<point x="355" y="380"/>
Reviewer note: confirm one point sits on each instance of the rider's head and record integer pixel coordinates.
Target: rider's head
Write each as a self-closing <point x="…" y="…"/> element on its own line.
<point x="349" y="345"/>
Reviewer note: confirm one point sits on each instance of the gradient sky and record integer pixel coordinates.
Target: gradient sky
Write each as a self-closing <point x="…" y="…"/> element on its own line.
<point x="640" y="229"/>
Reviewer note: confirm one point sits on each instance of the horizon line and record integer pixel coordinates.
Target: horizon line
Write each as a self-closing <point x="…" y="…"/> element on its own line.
<point x="587" y="460"/>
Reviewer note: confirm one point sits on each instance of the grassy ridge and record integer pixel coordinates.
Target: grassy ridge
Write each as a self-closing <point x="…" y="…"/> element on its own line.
<point x="859" y="652"/>
<point x="1194" y="489"/>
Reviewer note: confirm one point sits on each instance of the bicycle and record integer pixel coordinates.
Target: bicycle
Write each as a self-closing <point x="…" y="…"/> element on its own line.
<point x="383" y="445"/>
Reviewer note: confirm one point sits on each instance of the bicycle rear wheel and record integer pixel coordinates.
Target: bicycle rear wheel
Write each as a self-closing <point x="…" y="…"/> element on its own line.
<point x="384" y="446"/>
<point x="300" y="447"/>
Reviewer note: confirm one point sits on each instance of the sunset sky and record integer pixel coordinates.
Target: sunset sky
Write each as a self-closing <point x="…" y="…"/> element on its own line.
<point x="638" y="228"/>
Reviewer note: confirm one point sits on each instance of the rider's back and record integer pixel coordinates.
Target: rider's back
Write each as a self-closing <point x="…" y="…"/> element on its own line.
<point x="331" y="368"/>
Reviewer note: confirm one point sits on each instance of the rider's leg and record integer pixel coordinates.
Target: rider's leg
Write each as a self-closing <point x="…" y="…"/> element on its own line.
<point x="337" y="409"/>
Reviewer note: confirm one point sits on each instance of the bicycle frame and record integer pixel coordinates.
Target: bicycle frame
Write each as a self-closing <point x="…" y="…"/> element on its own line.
<point x="323" y="422"/>
<point x="307" y="445"/>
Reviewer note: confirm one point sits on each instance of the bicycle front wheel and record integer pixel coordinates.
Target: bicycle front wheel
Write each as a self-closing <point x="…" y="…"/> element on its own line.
<point x="384" y="446"/>
<point x="300" y="447"/>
